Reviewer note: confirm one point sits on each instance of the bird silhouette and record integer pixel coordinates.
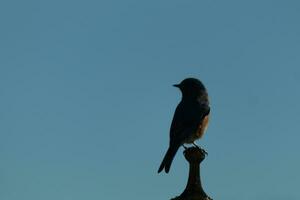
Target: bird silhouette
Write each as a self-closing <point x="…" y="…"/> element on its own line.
<point x="190" y="119"/>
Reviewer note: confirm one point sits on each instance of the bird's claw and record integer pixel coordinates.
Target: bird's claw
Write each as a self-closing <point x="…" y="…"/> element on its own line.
<point x="203" y="151"/>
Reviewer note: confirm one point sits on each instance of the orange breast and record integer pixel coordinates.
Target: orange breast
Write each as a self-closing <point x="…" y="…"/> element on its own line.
<point x="202" y="127"/>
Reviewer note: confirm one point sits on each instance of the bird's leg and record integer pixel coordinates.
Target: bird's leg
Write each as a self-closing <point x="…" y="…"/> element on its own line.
<point x="196" y="145"/>
<point x="185" y="148"/>
<point x="202" y="150"/>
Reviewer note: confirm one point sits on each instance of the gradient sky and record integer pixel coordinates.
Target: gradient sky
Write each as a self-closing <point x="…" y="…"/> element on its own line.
<point x="86" y="97"/>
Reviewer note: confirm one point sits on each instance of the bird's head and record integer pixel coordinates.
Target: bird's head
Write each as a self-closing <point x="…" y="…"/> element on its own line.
<point x="191" y="87"/>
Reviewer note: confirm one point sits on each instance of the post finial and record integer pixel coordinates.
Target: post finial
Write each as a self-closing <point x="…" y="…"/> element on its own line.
<point x="193" y="190"/>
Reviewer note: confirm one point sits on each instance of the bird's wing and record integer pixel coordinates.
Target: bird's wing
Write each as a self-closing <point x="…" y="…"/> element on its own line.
<point x="186" y="120"/>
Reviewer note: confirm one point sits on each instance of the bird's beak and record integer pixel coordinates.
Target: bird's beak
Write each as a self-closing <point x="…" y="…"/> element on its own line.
<point x="176" y="85"/>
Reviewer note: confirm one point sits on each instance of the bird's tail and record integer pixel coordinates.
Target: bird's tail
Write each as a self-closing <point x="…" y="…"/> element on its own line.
<point x="167" y="161"/>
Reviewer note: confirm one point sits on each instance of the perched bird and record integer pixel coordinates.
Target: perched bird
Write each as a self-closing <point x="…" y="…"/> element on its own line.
<point x="190" y="119"/>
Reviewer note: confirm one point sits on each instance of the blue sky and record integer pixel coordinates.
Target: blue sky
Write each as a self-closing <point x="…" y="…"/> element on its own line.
<point x="86" y="97"/>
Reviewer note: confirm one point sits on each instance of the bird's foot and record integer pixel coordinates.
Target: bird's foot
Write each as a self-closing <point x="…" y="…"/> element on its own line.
<point x="202" y="150"/>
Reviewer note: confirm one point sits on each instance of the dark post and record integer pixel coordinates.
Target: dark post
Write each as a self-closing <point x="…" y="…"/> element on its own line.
<point x="193" y="190"/>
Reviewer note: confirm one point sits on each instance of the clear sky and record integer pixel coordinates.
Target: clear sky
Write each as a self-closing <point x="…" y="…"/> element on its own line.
<point x="86" y="97"/>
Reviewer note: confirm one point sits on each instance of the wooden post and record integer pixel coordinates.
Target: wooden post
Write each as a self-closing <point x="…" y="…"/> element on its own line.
<point x="193" y="190"/>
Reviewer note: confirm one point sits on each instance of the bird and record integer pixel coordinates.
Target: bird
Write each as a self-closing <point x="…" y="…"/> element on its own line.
<point x="190" y="119"/>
